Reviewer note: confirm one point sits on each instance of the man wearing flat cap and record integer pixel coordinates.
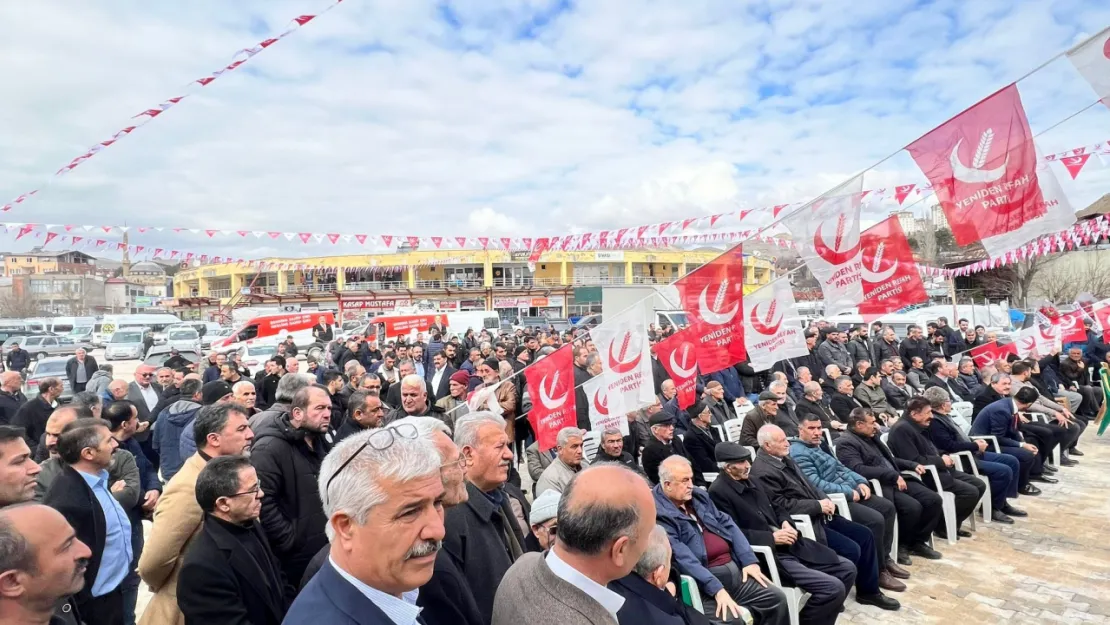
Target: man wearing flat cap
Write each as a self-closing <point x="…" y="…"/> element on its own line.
<point x="803" y="563"/>
<point x="700" y="440"/>
<point x="763" y="414"/>
<point x="663" y="444"/>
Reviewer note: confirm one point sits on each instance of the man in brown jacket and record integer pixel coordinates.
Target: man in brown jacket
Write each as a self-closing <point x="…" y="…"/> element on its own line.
<point x="220" y="430"/>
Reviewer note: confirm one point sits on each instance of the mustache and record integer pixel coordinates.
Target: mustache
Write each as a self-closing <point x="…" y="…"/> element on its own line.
<point x="424" y="548"/>
<point x="82" y="564"/>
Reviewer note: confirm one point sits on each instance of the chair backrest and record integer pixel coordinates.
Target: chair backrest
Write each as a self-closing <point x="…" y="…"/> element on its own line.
<point x="691" y="596"/>
<point x="590" y="442"/>
<point x="963" y="408"/>
<point x="751" y="449"/>
<point x="732" y="430"/>
<point x="828" y="439"/>
<point x="709" y="477"/>
<point x="743" y="410"/>
<point x="884" y="436"/>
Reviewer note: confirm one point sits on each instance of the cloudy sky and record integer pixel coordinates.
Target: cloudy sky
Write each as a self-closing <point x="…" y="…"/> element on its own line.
<point x="505" y="117"/>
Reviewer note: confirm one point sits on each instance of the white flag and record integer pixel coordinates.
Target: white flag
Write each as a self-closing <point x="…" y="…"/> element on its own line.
<point x="1092" y="59"/>
<point x="1027" y="342"/>
<point x="772" y="327"/>
<point x="826" y="233"/>
<point x="622" y="343"/>
<point x="604" y="415"/>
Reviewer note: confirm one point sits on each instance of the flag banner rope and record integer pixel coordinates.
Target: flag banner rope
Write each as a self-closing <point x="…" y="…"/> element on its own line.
<point x="148" y="115"/>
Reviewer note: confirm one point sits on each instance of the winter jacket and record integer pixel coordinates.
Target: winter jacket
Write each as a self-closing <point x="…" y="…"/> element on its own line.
<point x="99" y="382"/>
<point x="167" y="435"/>
<point x="288" y="469"/>
<point x="686" y="538"/>
<point x="831" y="353"/>
<point x="18" y="361"/>
<point x="731" y="381"/>
<point x="10" y="403"/>
<point x="911" y="348"/>
<point x="860" y="349"/>
<point x="971" y="382"/>
<point x="884" y="350"/>
<point x="874" y="398"/>
<point x="824" y="471"/>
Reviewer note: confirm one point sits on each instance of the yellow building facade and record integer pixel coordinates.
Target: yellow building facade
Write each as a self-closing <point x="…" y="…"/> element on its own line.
<point x="453" y="279"/>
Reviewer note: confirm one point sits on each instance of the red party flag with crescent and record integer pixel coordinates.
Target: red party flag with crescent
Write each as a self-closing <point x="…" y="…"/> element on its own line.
<point x="713" y="296"/>
<point x="890" y="278"/>
<point x="678" y="355"/>
<point x="772" y="330"/>
<point x="551" y="385"/>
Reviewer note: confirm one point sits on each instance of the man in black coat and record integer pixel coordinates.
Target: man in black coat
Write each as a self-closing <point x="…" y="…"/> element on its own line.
<point x="700" y="440"/>
<point x="229" y="574"/>
<point x="813" y="402"/>
<point x="947" y="376"/>
<point x="804" y="563"/>
<point x="663" y="445"/>
<point x="843" y="401"/>
<point x="913" y="345"/>
<point x="11" y="397"/>
<point x="32" y="415"/>
<point x="919" y="509"/>
<point x="611" y="449"/>
<point x="79" y="370"/>
<point x="581" y="376"/>
<point x="908" y="440"/>
<point x="646" y="599"/>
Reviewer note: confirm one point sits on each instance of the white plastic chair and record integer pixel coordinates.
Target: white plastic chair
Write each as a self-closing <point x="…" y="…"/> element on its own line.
<point x="948" y="502"/>
<point x="963" y="408"/>
<point x="965" y="462"/>
<point x="804" y="525"/>
<point x="796" y="598"/>
<point x="990" y="438"/>
<point x="742" y="410"/>
<point x="877" y="491"/>
<point x="750" y="449"/>
<point x="732" y="430"/>
<point x="710" y="477"/>
<point x="829" y="439"/>
<point x="841" y="502"/>
<point x="590" y="443"/>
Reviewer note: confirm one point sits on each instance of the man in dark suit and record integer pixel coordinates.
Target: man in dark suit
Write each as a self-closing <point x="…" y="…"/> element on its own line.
<point x="392" y="570"/>
<point x="813" y="402"/>
<point x="804" y="563"/>
<point x="82" y="494"/>
<point x="919" y="509"/>
<point x="843" y="401"/>
<point x="908" y="441"/>
<point x="1032" y="434"/>
<point x="947" y="376"/>
<point x="439" y="376"/>
<point x="1000" y="420"/>
<point x="145" y="394"/>
<point x="229" y="574"/>
<point x="896" y="390"/>
<point x="776" y="474"/>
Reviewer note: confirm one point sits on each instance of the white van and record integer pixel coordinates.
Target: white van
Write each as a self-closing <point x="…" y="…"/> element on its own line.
<point x="105" y="326"/>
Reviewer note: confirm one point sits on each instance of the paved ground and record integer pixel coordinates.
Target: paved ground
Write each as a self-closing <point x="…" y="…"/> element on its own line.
<point x="1051" y="567"/>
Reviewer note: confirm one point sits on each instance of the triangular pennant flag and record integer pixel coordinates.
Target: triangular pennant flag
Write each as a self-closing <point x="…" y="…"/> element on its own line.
<point x="1074" y="164"/>
<point x="506" y="242"/>
<point x="387" y="239"/>
<point x="361" y="238"/>
<point x="317" y="237"/>
<point x="777" y="209"/>
<point x="437" y="241"/>
<point x="211" y="233"/>
<point x="484" y="242"/>
<point x="663" y="226"/>
<point x="901" y="192"/>
<point x="686" y="223"/>
<point x="333" y="238"/>
<point x="461" y="241"/>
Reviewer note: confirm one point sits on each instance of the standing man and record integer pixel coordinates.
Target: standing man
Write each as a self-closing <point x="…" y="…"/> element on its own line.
<point x="219" y="430"/>
<point x="568" y="461"/>
<point x="581" y="376"/>
<point x="18" y="359"/>
<point x="79" y="370"/>
<point x="229" y="574"/>
<point x="145" y="395"/>
<point x="32" y="415"/>
<point x="82" y="494"/>
<point x="11" y="396"/>
<point x="440" y="376"/>
<point x="268" y="390"/>
<point x="365" y="413"/>
<point x="287" y="453"/>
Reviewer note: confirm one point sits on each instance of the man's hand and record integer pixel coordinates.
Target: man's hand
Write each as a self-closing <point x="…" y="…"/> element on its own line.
<point x="947" y="460"/>
<point x="827" y="506"/>
<point x="855" y="496"/>
<point x="725" y="605"/>
<point x="1024" y="419"/>
<point x="143" y="426"/>
<point x="753" y="571"/>
<point x="119" y="486"/>
<point x="902" y="483"/>
<point x="784" y="537"/>
<point x="982" y="445"/>
<point x="837" y="425"/>
<point x="920" y="469"/>
<point x="1028" y="447"/>
<point x="150" y="499"/>
<point x="864" y="491"/>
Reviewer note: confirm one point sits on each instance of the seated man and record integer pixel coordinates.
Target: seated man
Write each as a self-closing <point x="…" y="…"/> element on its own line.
<point x="999" y="420"/>
<point x="919" y="509"/>
<point x="871" y="395"/>
<point x="1003" y="472"/>
<point x="1076" y="379"/>
<point x="710" y="548"/>
<point x="765" y="412"/>
<point x="907" y="440"/>
<point x="804" y="563"/>
<point x="568" y="461"/>
<point x="843" y="401"/>
<point x="813" y="402"/>
<point x="897" y="391"/>
<point x="1063" y="426"/>
<point x="648" y="597"/>
<point x="611" y="449"/>
<point x="776" y="474"/>
<point x="876" y="513"/>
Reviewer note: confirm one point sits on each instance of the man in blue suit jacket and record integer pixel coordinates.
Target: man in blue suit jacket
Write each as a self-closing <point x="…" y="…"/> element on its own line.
<point x="999" y="419"/>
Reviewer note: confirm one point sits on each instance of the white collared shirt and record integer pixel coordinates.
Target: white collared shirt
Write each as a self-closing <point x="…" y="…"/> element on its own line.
<point x="608" y="599"/>
<point x="401" y="611"/>
<point x="437" y="378"/>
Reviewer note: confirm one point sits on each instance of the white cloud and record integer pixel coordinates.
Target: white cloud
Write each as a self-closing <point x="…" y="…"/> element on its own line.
<point x="506" y="117"/>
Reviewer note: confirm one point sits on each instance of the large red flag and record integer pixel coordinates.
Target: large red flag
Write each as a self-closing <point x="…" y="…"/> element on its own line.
<point x="890" y="278"/>
<point x="713" y="296"/>
<point x="989" y="353"/>
<point x="1071" y="328"/>
<point x="983" y="167"/>
<point x="678" y="355"/>
<point x="551" y="386"/>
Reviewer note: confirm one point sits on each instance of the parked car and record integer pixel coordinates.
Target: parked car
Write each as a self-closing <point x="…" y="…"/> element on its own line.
<point x="127" y="343"/>
<point x="159" y="354"/>
<point x="184" y="338"/>
<point x="44" y="345"/>
<point x="254" y="356"/>
<point x="50" y="367"/>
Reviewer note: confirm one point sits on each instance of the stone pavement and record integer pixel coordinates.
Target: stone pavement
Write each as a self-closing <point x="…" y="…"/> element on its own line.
<point x="1050" y="567"/>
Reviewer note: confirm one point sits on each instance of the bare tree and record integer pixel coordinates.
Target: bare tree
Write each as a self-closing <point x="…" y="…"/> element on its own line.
<point x="1013" y="282"/>
<point x="1064" y="277"/>
<point x="18" y="306"/>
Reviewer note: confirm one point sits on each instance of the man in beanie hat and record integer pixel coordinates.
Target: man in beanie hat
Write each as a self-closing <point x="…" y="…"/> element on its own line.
<point x="211" y="393"/>
<point x="454" y="404"/>
<point x="803" y="563"/>
<point x="700" y="440"/>
<point x="542" y="519"/>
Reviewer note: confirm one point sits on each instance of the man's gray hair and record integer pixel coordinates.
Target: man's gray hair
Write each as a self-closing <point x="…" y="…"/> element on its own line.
<point x="413" y="380"/>
<point x="798" y="371"/>
<point x="936" y="396"/>
<point x="829" y="369"/>
<point x="666" y="472"/>
<point x="777" y="384"/>
<point x="106" y="368"/>
<point x="408" y="361"/>
<point x="841" y="380"/>
<point x="767" y="433"/>
<point x="810" y="388"/>
<point x="358" y="488"/>
<point x="565" y="434"/>
<point x="965" y="359"/>
<point x="611" y="432"/>
<point x="657" y="554"/>
<point x="592" y="359"/>
<point x="467" y="426"/>
<point x="351" y="368"/>
<point x="998" y="377"/>
<point x="241" y="384"/>
<point x="425" y="426"/>
<point x="290" y="384"/>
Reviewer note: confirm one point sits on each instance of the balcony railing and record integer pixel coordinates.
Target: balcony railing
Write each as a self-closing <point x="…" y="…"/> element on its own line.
<point x="522" y="282"/>
<point x="649" y="280"/>
<point x="220" y="293"/>
<point x="375" y="285"/>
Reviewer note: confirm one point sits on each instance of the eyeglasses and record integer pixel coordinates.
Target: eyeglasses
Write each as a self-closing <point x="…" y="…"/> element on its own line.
<point x="254" y="491"/>
<point x="146" y="375"/>
<point x="460" y="463"/>
<point x="378" y="441"/>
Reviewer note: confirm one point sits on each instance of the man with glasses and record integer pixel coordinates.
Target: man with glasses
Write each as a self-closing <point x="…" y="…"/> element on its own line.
<point x="229" y="572"/>
<point x="288" y="452"/>
<point x="219" y="430"/>
<point x="145" y="395"/>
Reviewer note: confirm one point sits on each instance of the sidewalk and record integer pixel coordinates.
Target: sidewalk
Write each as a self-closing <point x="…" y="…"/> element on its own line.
<point x="1050" y="567"/>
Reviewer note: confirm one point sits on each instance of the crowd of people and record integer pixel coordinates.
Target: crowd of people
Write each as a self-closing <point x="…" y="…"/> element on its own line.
<point x="382" y="484"/>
